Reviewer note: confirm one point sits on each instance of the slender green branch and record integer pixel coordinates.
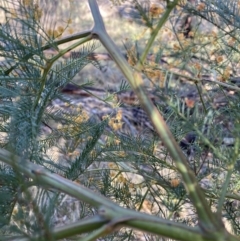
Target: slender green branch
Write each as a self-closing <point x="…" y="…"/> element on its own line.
<point x="68" y="39"/>
<point x="224" y="192"/>
<point x="138" y="220"/>
<point x="44" y="177"/>
<point x="216" y="197"/>
<point x="199" y="80"/>
<point x="73" y="46"/>
<point x="53" y="60"/>
<point x="69" y="230"/>
<point x="201" y="98"/>
<point x="48" y="46"/>
<point x="102" y="231"/>
<point x="228" y="177"/>
<point x="108" y="209"/>
<point x="80" y="227"/>
<point x="100" y="32"/>
<point x="205" y="215"/>
<point x="155" y="32"/>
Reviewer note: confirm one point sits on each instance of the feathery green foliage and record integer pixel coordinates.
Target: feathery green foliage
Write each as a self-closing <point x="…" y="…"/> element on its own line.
<point x="166" y="157"/>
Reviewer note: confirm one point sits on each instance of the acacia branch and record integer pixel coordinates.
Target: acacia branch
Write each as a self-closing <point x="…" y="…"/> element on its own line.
<point x="206" y="217"/>
<point x="108" y="211"/>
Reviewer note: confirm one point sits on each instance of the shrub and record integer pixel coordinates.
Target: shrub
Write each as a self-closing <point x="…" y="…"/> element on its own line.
<point x="168" y="166"/>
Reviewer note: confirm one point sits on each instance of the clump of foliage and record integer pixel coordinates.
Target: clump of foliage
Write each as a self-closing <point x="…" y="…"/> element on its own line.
<point x="179" y="165"/>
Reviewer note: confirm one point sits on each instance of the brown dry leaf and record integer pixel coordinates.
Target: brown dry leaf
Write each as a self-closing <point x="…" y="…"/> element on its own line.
<point x="155" y="10"/>
<point x="175" y="182"/>
<point x="190" y="102"/>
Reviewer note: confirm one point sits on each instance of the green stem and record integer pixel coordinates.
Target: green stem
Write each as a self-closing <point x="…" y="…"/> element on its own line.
<point x="48" y="46"/>
<point x="198" y="80"/>
<point x="201" y="99"/>
<point x="155" y="32"/>
<point x="206" y="217"/>
<point x="80" y="227"/>
<point x="228" y="178"/>
<point x="53" y="60"/>
<point x="69" y="230"/>
<point x="107" y="209"/>
<point x="102" y="231"/>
